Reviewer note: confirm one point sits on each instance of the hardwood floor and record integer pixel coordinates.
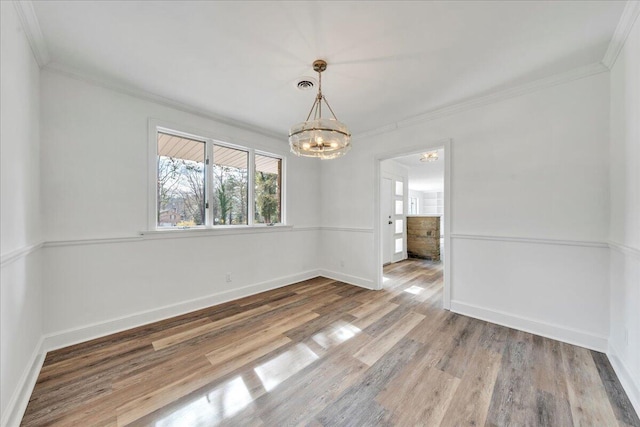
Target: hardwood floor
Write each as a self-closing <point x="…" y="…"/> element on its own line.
<point x="322" y="352"/>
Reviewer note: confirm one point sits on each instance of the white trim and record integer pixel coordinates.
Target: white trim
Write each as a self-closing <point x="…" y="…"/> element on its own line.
<point x="627" y="250"/>
<point x="49" y="342"/>
<point x="377" y="232"/>
<point x="284" y="187"/>
<point x="549" y="330"/>
<point x="22" y="252"/>
<point x="347" y="278"/>
<point x="309" y="228"/>
<point x="251" y="188"/>
<point x="92" y="241"/>
<point x="624" y="376"/>
<point x="480" y="101"/>
<point x="67" y="71"/>
<point x="18" y="403"/>
<point x="218" y="230"/>
<point x="348" y="229"/>
<point x="179" y="233"/>
<point x="531" y="240"/>
<point x="91" y="331"/>
<point x="32" y="31"/>
<point x="152" y="173"/>
<point x="448" y="215"/>
<point x="470" y="103"/>
<point x="627" y="19"/>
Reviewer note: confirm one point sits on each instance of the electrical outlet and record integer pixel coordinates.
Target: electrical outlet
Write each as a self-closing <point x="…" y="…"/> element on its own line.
<point x="228" y="277"/>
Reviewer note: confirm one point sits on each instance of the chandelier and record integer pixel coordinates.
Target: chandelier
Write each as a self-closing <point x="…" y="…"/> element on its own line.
<point x="431" y="156"/>
<point x="324" y="138"/>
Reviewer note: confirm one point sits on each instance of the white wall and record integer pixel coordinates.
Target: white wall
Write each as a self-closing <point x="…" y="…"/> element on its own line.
<point x="530" y="168"/>
<point x="20" y="282"/>
<point x="624" y="340"/>
<point x="100" y="275"/>
<point x="529" y="188"/>
<point x="392" y="167"/>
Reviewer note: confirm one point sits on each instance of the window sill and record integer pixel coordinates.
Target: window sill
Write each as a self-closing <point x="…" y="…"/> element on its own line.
<point x="220" y="230"/>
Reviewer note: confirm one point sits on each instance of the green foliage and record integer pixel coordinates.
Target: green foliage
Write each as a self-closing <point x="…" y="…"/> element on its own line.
<point x="224" y="203"/>
<point x="230" y="188"/>
<point x="181" y="189"/>
<point x="267" y="198"/>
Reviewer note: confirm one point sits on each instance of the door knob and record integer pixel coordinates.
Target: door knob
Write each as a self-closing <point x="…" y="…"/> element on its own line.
<point x="390" y="222"/>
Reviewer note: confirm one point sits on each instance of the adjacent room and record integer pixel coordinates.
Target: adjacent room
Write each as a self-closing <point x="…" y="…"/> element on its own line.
<point x="326" y="213"/>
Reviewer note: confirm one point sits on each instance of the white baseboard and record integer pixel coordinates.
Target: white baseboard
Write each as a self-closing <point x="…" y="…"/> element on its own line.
<point x="69" y="337"/>
<point x="347" y="278"/>
<point x="626" y="379"/>
<point x="49" y="342"/>
<point x="556" y="332"/>
<point x="18" y="403"/>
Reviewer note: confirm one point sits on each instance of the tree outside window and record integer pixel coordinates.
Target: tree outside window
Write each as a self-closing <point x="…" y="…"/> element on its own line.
<point x="203" y="183"/>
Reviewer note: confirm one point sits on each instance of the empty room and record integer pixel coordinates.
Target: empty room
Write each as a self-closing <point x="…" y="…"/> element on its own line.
<point x="320" y="213"/>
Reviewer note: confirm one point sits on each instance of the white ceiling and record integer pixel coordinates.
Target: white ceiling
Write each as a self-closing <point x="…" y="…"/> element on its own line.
<point x="424" y="176"/>
<point x="388" y="60"/>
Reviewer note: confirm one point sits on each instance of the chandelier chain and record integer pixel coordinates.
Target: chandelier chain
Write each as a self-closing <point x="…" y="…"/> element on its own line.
<point x="320" y="138"/>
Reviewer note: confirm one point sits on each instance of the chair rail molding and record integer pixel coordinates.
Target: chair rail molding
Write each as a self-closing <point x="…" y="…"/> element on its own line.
<point x="19" y="253"/>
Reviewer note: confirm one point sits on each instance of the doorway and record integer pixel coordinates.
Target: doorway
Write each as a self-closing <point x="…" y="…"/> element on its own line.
<point x="402" y="203"/>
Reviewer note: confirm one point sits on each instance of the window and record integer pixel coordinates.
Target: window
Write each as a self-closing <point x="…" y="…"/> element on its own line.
<point x="398" y="188"/>
<point x="399" y="245"/>
<point x="230" y="190"/>
<point x="413" y="205"/>
<point x="268" y="186"/>
<point x="399" y="226"/>
<point x="205" y="183"/>
<point x="181" y="181"/>
<point x="399" y="208"/>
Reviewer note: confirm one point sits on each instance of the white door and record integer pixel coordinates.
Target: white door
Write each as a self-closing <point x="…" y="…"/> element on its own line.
<point x="386" y="216"/>
<point x="397" y="222"/>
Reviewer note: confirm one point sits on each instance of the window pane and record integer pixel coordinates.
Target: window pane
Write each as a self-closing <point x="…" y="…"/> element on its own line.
<point x="398" y="207"/>
<point x="413" y="208"/>
<point x="398" y="245"/>
<point x="268" y="190"/>
<point x="399" y="226"/>
<point x="398" y="188"/>
<point x="181" y="183"/>
<point x="230" y="191"/>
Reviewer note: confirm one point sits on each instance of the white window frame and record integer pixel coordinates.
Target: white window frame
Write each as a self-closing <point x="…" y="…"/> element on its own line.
<point x="156" y="126"/>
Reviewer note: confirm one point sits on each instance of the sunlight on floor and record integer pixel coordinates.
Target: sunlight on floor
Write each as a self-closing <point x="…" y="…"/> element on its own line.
<point x="281" y="367"/>
<point x="223" y="402"/>
<point x="414" y="290"/>
<point x="335" y="334"/>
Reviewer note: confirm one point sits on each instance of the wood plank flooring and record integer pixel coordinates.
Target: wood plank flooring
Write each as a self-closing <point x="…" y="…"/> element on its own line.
<point x="324" y="353"/>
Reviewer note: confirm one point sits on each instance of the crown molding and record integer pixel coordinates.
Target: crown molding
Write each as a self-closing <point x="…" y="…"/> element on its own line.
<point x="66" y="71"/>
<point x="31" y="26"/>
<point x="627" y="19"/>
<point x="566" y="77"/>
<point x="480" y="101"/>
<point x="32" y="30"/>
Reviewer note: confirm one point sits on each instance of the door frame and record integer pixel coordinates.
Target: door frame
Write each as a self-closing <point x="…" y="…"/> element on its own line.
<point x="377" y="229"/>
